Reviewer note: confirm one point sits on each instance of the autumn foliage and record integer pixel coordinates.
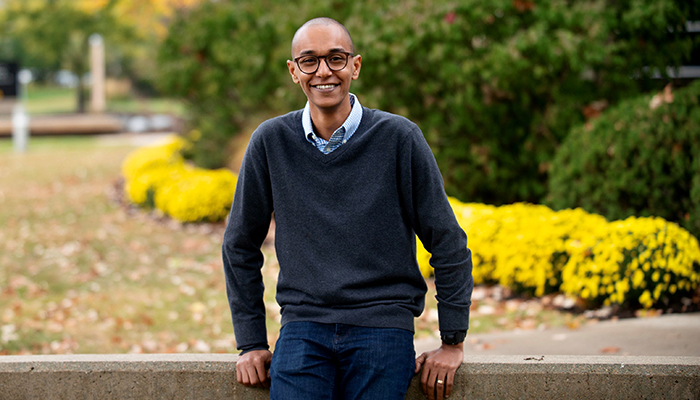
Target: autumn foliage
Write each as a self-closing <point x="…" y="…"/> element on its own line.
<point x="149" y="17"/>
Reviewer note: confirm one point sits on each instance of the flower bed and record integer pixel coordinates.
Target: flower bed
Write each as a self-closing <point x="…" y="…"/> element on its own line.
<point x="157" y="176"/>
<point x="636" y="262"/>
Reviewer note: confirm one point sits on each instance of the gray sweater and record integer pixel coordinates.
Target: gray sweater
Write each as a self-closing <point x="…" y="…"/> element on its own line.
<point x="345" y="230"/>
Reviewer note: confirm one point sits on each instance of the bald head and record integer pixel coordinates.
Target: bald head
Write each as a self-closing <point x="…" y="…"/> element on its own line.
<point x="322" y="21"/>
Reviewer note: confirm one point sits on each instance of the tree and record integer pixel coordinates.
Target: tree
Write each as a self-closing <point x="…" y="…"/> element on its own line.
<point x="147" y="22"/>
<point x="54" y="34"/>
<point x="497" y="85"/>
<point x="227" y="61"/>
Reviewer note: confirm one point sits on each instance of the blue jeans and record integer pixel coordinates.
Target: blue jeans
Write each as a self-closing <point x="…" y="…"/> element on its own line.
<point x="314" y="361"/>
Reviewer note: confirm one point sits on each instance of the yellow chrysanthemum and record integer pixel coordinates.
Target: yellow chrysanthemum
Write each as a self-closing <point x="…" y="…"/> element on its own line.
<point x="158" y="176"/>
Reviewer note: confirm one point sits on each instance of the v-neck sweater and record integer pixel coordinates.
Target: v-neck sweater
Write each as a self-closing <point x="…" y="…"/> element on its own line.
<point x="345" y="230"/>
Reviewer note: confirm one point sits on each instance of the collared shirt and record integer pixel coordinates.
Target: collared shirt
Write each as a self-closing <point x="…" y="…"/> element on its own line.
<point x="341" y="135"/>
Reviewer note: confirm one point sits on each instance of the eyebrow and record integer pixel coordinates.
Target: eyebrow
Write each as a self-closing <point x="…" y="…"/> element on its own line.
<point x="335" y="50"/>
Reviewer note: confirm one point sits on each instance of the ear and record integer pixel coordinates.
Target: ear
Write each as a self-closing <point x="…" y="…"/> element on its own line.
<point x="357" y="64"/>
<point x="292" y="70"/>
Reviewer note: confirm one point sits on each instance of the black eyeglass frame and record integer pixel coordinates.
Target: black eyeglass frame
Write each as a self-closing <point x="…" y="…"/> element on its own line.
<point x="325" y="58"/>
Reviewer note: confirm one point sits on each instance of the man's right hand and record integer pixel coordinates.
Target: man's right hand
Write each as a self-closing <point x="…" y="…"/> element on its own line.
<point x="253" y="368"/>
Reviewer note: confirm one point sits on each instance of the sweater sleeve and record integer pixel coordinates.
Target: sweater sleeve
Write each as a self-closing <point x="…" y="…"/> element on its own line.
<point x="436" y="226"/>
<point x="247" y="227"/>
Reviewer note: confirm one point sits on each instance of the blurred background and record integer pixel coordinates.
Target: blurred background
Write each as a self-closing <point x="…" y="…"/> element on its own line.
<point x="564" y="104"/>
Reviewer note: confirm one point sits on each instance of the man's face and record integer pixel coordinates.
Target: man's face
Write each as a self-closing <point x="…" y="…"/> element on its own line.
<point x="326" y="90"/>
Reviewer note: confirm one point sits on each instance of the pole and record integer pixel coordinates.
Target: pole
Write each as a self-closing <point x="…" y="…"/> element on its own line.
<point x="97" y="73"/>
<point x="20" y="128"/>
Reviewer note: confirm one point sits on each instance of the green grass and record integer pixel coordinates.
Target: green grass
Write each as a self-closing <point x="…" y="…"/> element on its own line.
<point x="131" y="105"/>
<point x="51" y="144"/>
<point x="42" y="99"/>
<point x="50" y="99"/>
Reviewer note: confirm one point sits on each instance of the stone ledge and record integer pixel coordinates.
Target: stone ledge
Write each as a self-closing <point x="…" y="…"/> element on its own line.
<point x="212" y="376"/>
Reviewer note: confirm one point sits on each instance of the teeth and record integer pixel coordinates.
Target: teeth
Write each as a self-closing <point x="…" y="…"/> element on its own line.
<point x="324" y="86"/>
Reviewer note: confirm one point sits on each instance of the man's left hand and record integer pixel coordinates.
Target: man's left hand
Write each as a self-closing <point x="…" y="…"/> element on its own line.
<point x="439" y="367"/>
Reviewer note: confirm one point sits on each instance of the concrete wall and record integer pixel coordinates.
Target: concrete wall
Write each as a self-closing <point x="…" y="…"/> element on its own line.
<point x="212" y="376"/>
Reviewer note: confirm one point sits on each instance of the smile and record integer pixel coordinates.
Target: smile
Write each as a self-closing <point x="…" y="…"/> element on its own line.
<point x="322" y="87"/>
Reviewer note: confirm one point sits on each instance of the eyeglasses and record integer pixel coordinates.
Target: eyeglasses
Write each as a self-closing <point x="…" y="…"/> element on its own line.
<point x="335" y="62"/>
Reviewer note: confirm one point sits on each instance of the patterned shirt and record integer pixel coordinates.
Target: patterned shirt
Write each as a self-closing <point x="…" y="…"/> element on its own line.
<point x="341" y="135"/>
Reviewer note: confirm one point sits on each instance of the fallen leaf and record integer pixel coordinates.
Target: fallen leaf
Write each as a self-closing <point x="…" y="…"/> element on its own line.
<point x="574" y="324"/>
<point x="488" y="346"/>
<point x="610" y="350"/>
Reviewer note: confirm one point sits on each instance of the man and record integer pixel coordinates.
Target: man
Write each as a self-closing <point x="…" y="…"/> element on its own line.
<point x="350" y="187"/>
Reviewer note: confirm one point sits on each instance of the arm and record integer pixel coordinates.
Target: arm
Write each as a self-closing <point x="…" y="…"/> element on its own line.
<point x="247" y="227"/>
<point x="435" y="224"/>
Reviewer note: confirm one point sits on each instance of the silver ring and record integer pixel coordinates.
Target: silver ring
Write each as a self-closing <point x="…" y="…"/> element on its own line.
<point x="440" y="382"/>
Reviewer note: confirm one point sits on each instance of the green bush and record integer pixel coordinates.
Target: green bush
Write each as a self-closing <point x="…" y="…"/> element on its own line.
<point x="228" y="61"/>
<point x="495" y="86"/>
<point x="221" y="58"/>
<point x="640" y="158"/>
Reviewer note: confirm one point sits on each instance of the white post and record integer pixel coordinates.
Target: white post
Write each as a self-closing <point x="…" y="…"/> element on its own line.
<point x="97" y="73"/>
<point x="25" y="77"/>
<point x="20" y="128"/>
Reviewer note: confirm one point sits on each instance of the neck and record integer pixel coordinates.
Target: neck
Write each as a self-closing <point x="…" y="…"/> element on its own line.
<point x="328" y="121"/>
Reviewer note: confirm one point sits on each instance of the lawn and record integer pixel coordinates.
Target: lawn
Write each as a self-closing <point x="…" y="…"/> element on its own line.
<point x="50" y="99"/>
<point x="43" y="99"/>
<point x="80" y="272"/>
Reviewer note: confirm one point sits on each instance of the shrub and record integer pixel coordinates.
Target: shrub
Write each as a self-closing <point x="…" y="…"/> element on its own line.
<point x="533" y="249"/>
<point x="507" y="249"/>
<point x="638" y="261"/>
<point x="145" y="168"/>
<point x="157" y="176"/>
<point x="222" y="59"/>
<point x="495" y="86"/>
<point x="640" y="158"/>
<point x="195" y="194"/>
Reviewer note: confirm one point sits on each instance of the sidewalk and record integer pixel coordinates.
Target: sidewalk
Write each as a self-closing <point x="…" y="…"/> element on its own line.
<point x="666" y="335"/>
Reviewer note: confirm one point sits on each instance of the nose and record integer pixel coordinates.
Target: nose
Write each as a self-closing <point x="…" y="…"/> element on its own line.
<point x="323" y="69"/>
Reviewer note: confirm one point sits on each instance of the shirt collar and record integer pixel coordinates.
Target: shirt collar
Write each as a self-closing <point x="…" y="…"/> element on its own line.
<point x="350" y="124"/>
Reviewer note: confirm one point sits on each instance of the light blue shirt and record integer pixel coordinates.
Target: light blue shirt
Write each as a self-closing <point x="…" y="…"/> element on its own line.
<point x="341" y="135"/>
